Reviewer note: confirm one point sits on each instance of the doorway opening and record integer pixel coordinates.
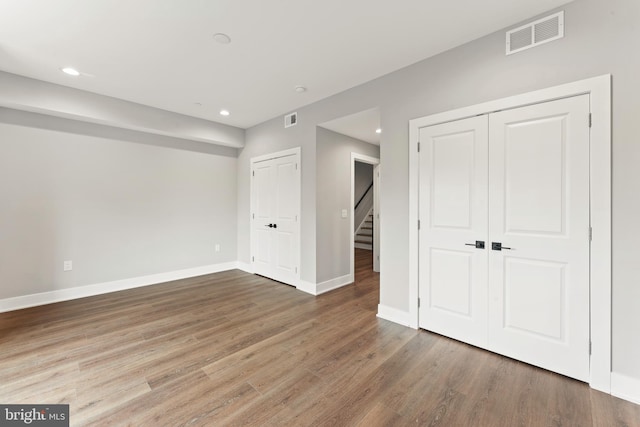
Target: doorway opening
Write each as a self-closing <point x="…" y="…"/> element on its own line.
<point x="348" y="158"/>
<point x="365" y="214"/>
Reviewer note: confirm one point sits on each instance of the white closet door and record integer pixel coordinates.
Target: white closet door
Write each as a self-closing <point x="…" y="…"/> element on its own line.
<point x="276" y="204"/>
<point x="453" y="214"/>
<point x="539" y="213"/>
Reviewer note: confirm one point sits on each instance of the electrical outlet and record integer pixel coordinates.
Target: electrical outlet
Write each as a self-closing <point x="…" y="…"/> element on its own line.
<point x="217" y="247"/>
<point x="67" y="266"/>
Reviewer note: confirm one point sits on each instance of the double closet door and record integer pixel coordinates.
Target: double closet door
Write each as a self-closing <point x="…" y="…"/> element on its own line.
<point x="504" y="236"/>
<point x="275" y="202"/>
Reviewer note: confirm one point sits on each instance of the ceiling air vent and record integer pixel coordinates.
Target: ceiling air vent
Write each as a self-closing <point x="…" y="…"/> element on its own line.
<point x="536" y="33"/>
<point x="290" y="120"/>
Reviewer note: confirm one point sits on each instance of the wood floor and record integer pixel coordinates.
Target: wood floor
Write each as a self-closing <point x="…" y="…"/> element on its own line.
<point x="235" y="349"/>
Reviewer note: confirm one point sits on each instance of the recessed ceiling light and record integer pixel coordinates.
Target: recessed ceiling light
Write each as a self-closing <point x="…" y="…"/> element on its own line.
<point x="300" y="89"/>
<point x="222" y="38"/>
<point x="224" y="112"/>
<point x="71" y="71"/>
<point x="378" y="130"/>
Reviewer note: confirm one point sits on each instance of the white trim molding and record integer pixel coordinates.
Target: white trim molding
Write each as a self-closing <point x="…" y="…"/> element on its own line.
<point x="599" y="91"/>
<point x="324" y="287"/>
<point x="307" y="287"/>
<point x="43" y="298"/>
<point x="394" y="315"/>
<point x="625" y="387"/>
<point x="246" y="267"/>
<point x="332" y="284"/>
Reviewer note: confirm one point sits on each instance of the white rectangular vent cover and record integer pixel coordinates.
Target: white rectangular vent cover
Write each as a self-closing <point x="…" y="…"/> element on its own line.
<point x="536" y="33"/>
<point x="290" y="120"/>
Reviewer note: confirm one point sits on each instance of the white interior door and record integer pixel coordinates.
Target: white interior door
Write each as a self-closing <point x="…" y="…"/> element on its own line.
<point x="453" y="212"/>
<point x="275" y="216"/>
<point x="519" y="181"/>
<point x="539" y="213"/>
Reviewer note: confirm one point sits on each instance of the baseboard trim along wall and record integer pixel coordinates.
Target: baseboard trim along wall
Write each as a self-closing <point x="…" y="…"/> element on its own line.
<point x="324" y="287"/>
<point x="332" y="284"/>
<point x="625" y="387"/>
<point x="307" y="287"/>
<point x="26" y="301"/>
<point x="393" y="315"/>
<point x="246" y="267"/>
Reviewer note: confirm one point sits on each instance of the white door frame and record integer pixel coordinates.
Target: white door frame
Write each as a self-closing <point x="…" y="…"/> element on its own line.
<point x="292" y="151"/>
<point x="599" y="90"/>
<point x="376" y="220"/>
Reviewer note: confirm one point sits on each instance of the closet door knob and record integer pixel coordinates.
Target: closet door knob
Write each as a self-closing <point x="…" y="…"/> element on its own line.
<point x="479" y="244"/>
<point x="497" y="246"/>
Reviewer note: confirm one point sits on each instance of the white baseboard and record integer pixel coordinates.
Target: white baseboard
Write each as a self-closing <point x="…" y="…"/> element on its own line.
<point x="625" y="387"/>
<point x="246" y="267"/>
<point x="332" y="284"/>
<point x="25" y="301"/>
<point x="393" y="315"/>
<point x="307" y="287"/>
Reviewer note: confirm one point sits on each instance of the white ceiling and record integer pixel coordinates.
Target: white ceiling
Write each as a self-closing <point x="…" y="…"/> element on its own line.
<point x="360" y="125"/>
<point x="161" y="52"/>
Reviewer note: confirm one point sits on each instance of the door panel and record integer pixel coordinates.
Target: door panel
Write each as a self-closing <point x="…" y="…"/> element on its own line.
<point x="532" y="287"/>
<point x="453" y="158"/>
<point x="539" y="208"/>
<point x="535" y="179"/>
<point x="451" y="281"/>
<point x="453" y="200"/>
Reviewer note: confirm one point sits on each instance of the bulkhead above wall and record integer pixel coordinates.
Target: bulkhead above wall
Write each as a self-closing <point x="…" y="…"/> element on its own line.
<point x="22" y="93"/>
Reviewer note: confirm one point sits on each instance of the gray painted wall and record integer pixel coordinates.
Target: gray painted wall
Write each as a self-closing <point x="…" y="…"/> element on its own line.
<point x="599" y="40"/>
<point x="363" y="178"/>
<point x="333" y="190"/>
<point x="117" y="205"/>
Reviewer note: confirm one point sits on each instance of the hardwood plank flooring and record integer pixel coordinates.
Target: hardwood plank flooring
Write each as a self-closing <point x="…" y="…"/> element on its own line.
<point x="236" y="349"/>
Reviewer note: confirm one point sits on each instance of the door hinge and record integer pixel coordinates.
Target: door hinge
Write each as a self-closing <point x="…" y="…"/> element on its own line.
<point x="296" y="270"/>
<point x="253" y="173"/>
<point x="590" y="348"/>
<point x="418" y="224"/>
<point x="418" y="146"/>
<point x="253" y="259"/>
<point x="590" y="234"/>
<point x="418" y="302"/>
<point x="296" y="166"/>
<point x="590" y="119"/>
<point x="253" y="216"/>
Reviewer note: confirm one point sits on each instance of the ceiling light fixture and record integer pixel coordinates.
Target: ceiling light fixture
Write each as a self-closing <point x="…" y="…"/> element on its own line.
<point x="71" y="71"/>
<point x="378" y="130"/>
<point x="300" y="89"/>
<point x="222" y="38"/>
<point x="224" y="112"/>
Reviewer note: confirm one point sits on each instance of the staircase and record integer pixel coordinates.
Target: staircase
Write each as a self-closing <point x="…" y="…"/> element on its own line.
<point x="363" y="238"/>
